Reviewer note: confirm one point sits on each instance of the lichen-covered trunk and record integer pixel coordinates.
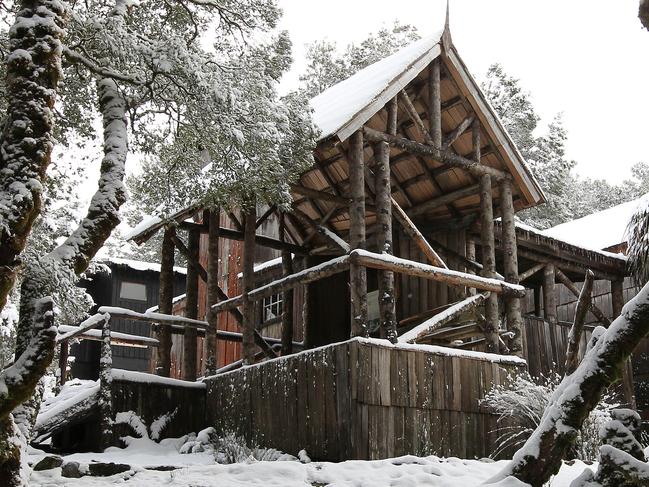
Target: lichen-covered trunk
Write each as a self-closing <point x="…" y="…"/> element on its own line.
<point x="36" y="332"/>
<point x="578" y="394"/>
<point x="33" y="72"/>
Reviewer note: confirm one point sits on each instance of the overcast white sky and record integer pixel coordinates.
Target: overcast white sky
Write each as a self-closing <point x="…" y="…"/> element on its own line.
<point x="586" y="58"/>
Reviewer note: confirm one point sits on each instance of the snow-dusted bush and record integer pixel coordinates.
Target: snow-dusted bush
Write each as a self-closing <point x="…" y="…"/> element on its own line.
<point x="153" y="432"/>
<point x="520" y="403"/>
<point x="231" y="448"/>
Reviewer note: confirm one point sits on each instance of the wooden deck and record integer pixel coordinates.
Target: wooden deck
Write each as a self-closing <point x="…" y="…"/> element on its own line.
<point x="361" y="399"/>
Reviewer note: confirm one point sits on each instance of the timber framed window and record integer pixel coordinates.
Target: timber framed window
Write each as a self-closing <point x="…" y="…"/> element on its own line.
<point x="271" y="308"/>
<point x="135" y="291"/>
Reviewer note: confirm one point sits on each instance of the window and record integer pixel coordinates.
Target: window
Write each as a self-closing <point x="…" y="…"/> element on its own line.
<point x="132" y="290"/>
<point x="271" y="307"/>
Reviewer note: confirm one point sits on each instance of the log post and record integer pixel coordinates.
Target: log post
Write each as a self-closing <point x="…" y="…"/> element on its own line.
<point x="549" y="295"/>
<point x="64" y="353"/>
<point x="357" y="273"/>
<point x="287" y="295"/>
<point x="617" y="297"/>
<point x="538" y="309"/>
<point x="165" y="302"/>
<point x="577" y="328"/>
<point x="105" y="401"/>
<point x="488" y="246"/>
<point x="211" y="357"/>
<point x="387" y="310"/>
<point x="248" y="283"/>
<point x="191" y="305"/>
<point x="470" y="255"/>
<point x="435" y="103"/>
<point x="510" y="258"/>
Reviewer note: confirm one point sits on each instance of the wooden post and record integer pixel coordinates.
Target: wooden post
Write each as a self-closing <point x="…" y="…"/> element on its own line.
<point x="617" y="297"/>
<point x="64" y="353"/>
<point x="538" y="309"/>
<point x="287" y="295"/>
<point x="357" y="273"/>
<point x="577" y="329"/>
<point x="549" y="296"/>
<point x="510" y="258"/>
<point x="487" y="242"/>
<point x="211" y="357"/>
<point x="470" y="255"/>
<point x="248" y="283"/>
<point x="191" y="305"/>
<point x="435" y="103"/>
<point x="165" y="302"/>
<point x="105" y="401"/>
<point x="387" y="310"/>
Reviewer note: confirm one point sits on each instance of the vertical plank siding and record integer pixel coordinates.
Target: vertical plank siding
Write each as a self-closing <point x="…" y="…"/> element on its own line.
<point x="361" y="400"/>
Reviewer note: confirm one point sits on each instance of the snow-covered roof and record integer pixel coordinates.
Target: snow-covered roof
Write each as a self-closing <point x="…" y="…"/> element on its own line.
<point x="599" y="230"/>
<point x="139" y="265"/>
<point x="346" y="106"/>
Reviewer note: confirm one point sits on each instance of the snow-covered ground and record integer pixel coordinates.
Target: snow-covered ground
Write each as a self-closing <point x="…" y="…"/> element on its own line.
<point x="200" y="469"/>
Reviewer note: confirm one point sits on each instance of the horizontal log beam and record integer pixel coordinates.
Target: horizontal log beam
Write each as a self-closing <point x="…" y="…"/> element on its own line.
<point x="311" y="274"/>
<point x="320" y="195"/>
<point x="262" y="240"/>
<point x="443" y="200"/>
<point x="444" y="157"/>
<point x="451" y="277"/>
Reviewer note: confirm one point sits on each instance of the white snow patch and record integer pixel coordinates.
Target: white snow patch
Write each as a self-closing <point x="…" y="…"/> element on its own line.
<point x="142" y="377"/>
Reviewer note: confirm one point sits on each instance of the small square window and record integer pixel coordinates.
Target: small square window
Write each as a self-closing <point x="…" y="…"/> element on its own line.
<point x="132" y="290"/>
<point x="271" y="307"/>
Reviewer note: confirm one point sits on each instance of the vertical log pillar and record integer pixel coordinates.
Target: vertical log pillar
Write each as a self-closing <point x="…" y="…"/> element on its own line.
<point x="165" y="302"/>
<point x="211" y="354"/>
<point x="191" y="306"/>
<point x="617" y="297"/>
<point x="538" y="310"/>
<point x="470" y="254"/>
<point x="387" y="310"/>
<point x="105" y="401"/>
<point x="248" y="282"/>
<point x="488" y="245"/>
<point x="510" y="258"/>
<point x="435" y="103"/>
<point x="357" y="273"/>
<point x="64" y="353"/>
<point x="549" y="295"/>
<point x="287" y="296"/>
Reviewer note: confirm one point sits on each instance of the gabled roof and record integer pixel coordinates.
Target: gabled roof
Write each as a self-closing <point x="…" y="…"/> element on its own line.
<point x="346" y="106"/>
<point x="599" y="230"/>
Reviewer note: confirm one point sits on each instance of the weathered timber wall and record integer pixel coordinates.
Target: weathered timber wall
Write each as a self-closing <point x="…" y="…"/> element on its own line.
<point x="150" y="399"/>
<point x="362" y="400"/>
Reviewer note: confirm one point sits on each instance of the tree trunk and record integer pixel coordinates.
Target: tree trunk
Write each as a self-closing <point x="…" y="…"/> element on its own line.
<point x="105" y="400"/>
<point x="578" y="394"/>
<point x="33" y="71"/>
<point x="287" y="295"/>
<point x="487" y="243"/>
<point x="165" y="302"/>
<point x="211" y="357"/>
<point x="248" y="283"/>
<point x="549" y="296"/>
<point x="577" y="328"/>
<point x="191" y="306"/>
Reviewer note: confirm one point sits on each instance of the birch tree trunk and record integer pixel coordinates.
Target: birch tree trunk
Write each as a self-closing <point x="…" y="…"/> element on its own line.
<point x="36" y="343"/>
<point x="578" y="394"/>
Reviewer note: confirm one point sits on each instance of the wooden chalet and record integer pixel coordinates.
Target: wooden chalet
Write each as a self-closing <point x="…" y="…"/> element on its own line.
<point x="398" y="265"/>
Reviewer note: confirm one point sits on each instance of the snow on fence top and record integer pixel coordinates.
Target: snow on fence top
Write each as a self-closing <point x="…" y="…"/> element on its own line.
<point x="139" y="265"/>
<point x="344" y="107"/>
<point x="598" y="230"/>
<point x="144" y="378"/>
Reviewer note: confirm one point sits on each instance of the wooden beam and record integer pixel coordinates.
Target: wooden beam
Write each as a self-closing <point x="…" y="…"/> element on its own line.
<point x="530" y="272"/>
<point x="212" y="281"/>
<point x="549" y="296"/>
<point x="165" y="301"/>
<point x="320" y="195"/>
<point x="413" y="232"/>
<point x="563" y="279"/>
<point x="235" y="221"/>
<point x="457" y="131"/>
<point x="182" y="248"/>
<point x="435" y="103"/>
<point x="443" y="157"/>
<point x="287" y="297"/>
<point x="440" y="274"/>
<point x="617" y="297"/>
<point x="510" y="261"/>
<point x="248" y="284"/>
<point x="443" y="200"/>
<point x="317" y="228"/>
<point x="414" y="116"/>
<point x="387" y="311"/>
<point x="357" y="274"/>
<point x="261" y="240"/>
<point x="311" y="274"/>
<point x="189" y="364"/>
<point x="271" y="209"/>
